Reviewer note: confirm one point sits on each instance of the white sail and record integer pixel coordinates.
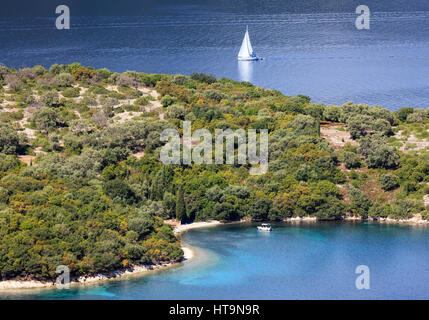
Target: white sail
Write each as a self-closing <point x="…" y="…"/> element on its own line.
<point x="246" y="49"/>
<point x="249" y="45"/>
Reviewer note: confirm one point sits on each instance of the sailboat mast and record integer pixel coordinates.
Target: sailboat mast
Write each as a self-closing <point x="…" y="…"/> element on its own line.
<point x="246" y="50"/>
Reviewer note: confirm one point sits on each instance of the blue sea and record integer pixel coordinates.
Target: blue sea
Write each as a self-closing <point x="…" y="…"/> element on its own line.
<point x="311" y="47"/>
<point x="294" y="261"/>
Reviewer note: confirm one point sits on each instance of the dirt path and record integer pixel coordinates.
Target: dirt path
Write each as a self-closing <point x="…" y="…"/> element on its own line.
<point x="337" y="136"/>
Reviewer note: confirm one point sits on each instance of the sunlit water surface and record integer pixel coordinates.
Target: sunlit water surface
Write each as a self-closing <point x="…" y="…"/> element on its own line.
<point x="321" y="55"/>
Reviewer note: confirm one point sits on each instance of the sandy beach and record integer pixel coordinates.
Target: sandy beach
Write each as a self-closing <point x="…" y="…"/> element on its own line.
<point x="180" y="228"/>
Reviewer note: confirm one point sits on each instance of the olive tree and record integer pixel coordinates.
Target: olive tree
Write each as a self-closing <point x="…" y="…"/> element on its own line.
<point x="176" y="111"/>
<point x="332" y="113"/>
<point x="382" y="156"/>
<point x="388" y="181"/>
<point x="350" y="159"/>
<point x="304" y="125"/>
<point x="45" y="119"/>
<point x="9" y="139"/>
<point x="64" y="80"/>
<point x="50" y="99"/>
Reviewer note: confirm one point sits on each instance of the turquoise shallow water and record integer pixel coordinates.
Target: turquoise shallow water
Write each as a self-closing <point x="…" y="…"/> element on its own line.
<point x="305" y="261"/>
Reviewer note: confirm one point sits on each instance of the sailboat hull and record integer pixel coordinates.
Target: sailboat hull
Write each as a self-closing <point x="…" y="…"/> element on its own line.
<point x="248" y="58"/>
<point x="246" y="51"/>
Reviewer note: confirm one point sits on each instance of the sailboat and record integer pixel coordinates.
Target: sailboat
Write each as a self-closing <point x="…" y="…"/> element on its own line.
<point x="246" y="51"/>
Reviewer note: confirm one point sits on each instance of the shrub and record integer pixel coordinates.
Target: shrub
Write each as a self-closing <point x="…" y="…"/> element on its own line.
<point x="176" y="112"/>
<point x="71" y="93"/>
<point x="98" y="90"/>
<point x="4" y="195"/>
<point x="4" y="71"/>
<point x="142" y="224"/>
<point x="214" y="95"/>
<point x="104" y="73"/>
<point x="127" y="81"/>
<point x="64" y="80"/>
<point x="132" y="108"/>
<point x="51" y="99"/>
<point x="403" y="113"/>
<point x="8" y="162"/>
<point x="142" y="101"/>
<point x="388" y="181"/>
<point x="116" y="95"/>
<point x="350" y="159"/>
<point x="39" y="70"/>
<point x="85" y="75"/>
<point x="179" y="79"/>
<point x="14" y="83"/>
<point x="410" y="187"/>
<point x="315" y="110"/>
<point x="100" y="119"/>
<point x="382" y="126"/>
<point x="202" y="77"/>
<point x="167" y="100"/>
<point x="45" y="119"/>
<point x="417" y="116"/>
<point x="27" y="73"/>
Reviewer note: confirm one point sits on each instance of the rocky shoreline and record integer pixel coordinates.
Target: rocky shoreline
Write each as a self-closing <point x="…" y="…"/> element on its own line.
<point x="99" y="277"/>
<point x="188" y="254"/>
<point x="34" y="284"/>
<point x="417" y="219"/>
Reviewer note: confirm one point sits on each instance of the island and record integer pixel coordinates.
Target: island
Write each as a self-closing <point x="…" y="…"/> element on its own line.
<point x="82" y="184"/>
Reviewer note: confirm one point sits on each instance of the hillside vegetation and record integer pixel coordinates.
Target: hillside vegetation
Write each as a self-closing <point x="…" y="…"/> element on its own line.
<point x="81" y="182"/>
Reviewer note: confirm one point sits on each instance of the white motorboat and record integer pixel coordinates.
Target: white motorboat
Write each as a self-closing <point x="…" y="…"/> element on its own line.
<point x="265" y="227"/>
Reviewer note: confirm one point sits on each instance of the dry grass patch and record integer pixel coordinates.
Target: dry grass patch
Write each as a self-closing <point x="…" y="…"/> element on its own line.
<point x="336" y="135"/>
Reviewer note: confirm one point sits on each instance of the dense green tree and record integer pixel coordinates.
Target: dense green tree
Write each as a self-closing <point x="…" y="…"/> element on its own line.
<point x="359" y="125"/>
<point x="45" y="119"/>
<point x="350" y="159"/>
<point x="142" y="224"/>
<point x="382" y="156"/>
<point x="332" y="209"/>
<point x="360" y="203"/>
<point x="403" y="113"/>
<point x="389" y="181"/>
<point x="332" y="113"/>
<point x="180" y="205"/>
<point x="119" y="190"/>
<point x="304" y="125"/>
<point x="10" y="142"/>
<point x="260" y="209"/>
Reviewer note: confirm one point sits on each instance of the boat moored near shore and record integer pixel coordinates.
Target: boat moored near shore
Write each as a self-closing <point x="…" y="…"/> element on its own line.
<point x="265" y="227"/>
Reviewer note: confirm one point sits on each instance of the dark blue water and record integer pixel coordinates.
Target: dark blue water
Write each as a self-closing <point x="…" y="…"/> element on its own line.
<point x="311" y="50"/>
<point x="294" y="261"/>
